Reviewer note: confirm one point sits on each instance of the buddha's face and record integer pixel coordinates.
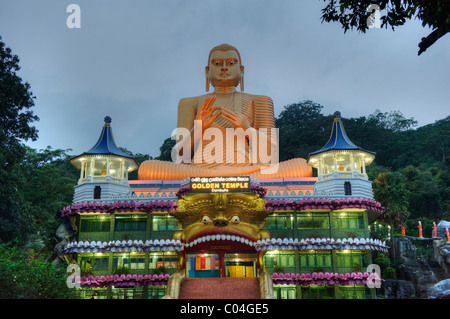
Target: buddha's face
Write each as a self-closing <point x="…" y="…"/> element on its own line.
<point x="224" y="69"/>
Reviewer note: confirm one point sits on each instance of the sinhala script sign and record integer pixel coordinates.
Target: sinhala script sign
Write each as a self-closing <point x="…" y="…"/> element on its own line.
<point x="220" y="184"/>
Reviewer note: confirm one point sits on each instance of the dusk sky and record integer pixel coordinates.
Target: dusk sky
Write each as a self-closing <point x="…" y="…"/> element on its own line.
<point x="134" y="60"/>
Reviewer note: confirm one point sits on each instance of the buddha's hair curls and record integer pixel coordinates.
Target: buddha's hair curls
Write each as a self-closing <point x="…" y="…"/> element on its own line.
<point x="224" y="47"/>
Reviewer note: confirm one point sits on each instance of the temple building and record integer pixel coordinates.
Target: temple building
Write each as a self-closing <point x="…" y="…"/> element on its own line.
<point x="225" y="219"/>
<point x="317" y="242"/>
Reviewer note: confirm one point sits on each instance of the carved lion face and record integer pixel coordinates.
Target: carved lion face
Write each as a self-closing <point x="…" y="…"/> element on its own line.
<point x="217" y="219"/>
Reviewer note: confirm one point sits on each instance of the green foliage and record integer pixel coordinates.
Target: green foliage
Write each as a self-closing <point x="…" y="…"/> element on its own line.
<point x="48" y="186"/>
<point x="353" y="14"/>
<point x="412" y="227"/>
<point x="159" y="270"/>
<point x="426" y="198"/>
<point x="16" y="100"/>
<point x="166" y="150"/>
<point x="387" y="271"/>
<point x="122" y="271"/>
<point x="302" y="129"/>
<point x="25" y="275"/>
<point x="379" y="231"/>
<point x="390" y="191"/>
<point x="278" y="269"/>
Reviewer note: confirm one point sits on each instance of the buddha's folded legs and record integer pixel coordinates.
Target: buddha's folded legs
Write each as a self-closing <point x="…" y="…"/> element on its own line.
<point x="164" y="170"/>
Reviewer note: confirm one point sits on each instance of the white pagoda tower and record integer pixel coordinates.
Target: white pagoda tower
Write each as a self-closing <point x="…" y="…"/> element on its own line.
<point x="341" y="166"/>
<point x="103" y="169"/>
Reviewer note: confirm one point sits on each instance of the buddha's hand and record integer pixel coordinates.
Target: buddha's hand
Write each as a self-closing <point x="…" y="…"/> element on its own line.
<point x="205" y="115"/>
<point x="237" y="120"/>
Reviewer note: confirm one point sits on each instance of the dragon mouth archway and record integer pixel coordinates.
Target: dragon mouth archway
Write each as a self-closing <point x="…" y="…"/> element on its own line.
<point x="221" y="224"/>
<point x="221" y="238"/>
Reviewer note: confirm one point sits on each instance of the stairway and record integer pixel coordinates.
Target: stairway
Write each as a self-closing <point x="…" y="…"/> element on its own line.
<point x="215" y="288"/>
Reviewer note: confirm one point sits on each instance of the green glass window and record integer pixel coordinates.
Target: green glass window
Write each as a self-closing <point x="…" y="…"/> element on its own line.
<point x="163" y="259"/>
<point x="95" y="224"/>
<point x="129" y="260"/>
<point x="348" y="221"/>
<point x="284" y="292"/>
<point x="281" y="259"/>
<point x="92" y="293"/>
<point x="164" y="223"/>
<point x="278" y="221"/>
<point x="127" y="293"/>
<point x="155" y="292"/>
<point x="315" y="259"/>
<point x="313" y="221"/>
<point x="131" y="223"/>
<point x="353" y="292"/>
<point x="317" y="292"/>
<point x="101" y="263"/>
<point x="351" y="259"/>
<point x="91" y="263"/>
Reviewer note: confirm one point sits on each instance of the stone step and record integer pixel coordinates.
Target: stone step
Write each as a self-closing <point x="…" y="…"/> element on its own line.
<point x="215" y="288"/>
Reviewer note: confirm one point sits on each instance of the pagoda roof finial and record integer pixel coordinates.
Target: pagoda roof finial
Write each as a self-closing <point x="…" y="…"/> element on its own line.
<point x="106" y="144"/>
<point x="337" y="115"/>
<point x="339" y="139"/>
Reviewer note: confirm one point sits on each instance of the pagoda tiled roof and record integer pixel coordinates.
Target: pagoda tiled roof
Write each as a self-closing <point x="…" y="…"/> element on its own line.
<point x="106" y="144"/>
<point x="339" y="140"/>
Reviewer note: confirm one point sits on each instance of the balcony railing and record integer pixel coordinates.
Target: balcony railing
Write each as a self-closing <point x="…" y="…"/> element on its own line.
<point x="102" y="179"/>
<point x="342" y="175"/>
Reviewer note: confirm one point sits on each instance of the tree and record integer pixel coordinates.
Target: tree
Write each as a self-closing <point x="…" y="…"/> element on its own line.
<point x="24" y="274"/>
<point x="16" y="100"/>
<point x="302" y="129"/>
<point x="166" y="150"/>
<point x="49" y="179"/>
<point x="425" y="196"/>
<point x="355" y="14"/>
<point x="390" y="191"/>
<point x="383" y="133"/>
<point x="441" y="171"/>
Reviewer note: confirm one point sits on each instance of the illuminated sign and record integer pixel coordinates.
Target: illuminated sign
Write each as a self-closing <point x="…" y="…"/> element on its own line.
<point x="220" y="184"/>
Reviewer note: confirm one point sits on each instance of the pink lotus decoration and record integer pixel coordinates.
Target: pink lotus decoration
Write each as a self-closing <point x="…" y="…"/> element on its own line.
<point x="319" y="278"/>
<point x="117" y="207"/>
<point x="321" y="243"/>
<point x="124" y="245"/>
<point x="130" y="280"/>
<point x="323" y="203"/>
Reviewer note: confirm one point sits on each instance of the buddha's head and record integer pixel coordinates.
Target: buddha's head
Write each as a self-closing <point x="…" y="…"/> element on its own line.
<point x="224" y="67"/>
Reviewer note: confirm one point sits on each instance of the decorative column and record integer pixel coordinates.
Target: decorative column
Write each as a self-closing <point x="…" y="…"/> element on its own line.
<point x="108" y="166"/>
<point x="352" y="162"/>
<point x="83" y="168"/>
<point x="122" y="169"/>
<point x="364" y="165"/>
<point x="91" y="167"/>
<point x="335" y="162"/>
<point x="319" y="173"/>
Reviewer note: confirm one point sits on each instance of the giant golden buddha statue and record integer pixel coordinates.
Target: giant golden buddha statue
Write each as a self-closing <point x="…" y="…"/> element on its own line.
<point x="225" y="133"/>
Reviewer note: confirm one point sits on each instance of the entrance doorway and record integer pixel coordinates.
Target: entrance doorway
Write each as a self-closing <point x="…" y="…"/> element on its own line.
<point x="200" y="265"/>
<point x="240" y="265"/>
